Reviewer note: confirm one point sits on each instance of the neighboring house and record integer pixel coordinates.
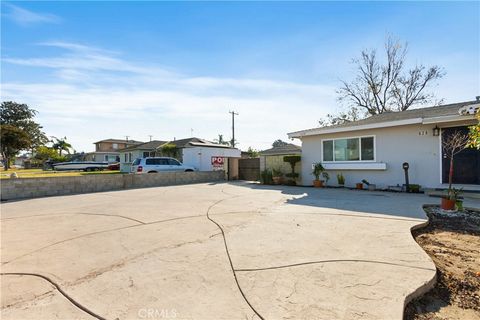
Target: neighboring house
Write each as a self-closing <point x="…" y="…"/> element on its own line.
<point x="273" y="158"/>
<point x="194" y="152"/>
<point x="108" y="150"/>
<point x="205" y="155"/>
<point x="375" y="148"/>
<point x="142" y="150"/>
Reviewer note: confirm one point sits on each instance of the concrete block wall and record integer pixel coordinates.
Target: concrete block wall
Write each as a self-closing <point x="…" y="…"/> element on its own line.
<point x="23" y="188"/>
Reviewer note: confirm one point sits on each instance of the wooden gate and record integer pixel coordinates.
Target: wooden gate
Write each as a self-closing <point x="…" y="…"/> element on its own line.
<point x="249" y="169"/>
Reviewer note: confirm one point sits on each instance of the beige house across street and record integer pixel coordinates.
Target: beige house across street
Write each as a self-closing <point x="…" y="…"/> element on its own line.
<point x="108" y="150"/>
<point x="376" y="147"/>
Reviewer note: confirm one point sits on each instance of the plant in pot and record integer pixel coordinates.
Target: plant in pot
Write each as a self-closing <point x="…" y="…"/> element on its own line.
<point x="452" y="200"/>
<point x="452" y="144"/>
<point x="277" y="176"/>
<point x="359" y="185"/>
<point x="340" y="180"/>
<point x="414" y="188"/>
<point x="292" y="160"/>
<point x="318" y="169"/>
<point x="370" y="186"/>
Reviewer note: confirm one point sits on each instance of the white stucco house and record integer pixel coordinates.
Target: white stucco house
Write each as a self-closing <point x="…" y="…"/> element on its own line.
<point x="376" y="147"/>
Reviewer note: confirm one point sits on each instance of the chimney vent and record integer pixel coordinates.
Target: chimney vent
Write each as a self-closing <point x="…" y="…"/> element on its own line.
<point x="478" y="98"/>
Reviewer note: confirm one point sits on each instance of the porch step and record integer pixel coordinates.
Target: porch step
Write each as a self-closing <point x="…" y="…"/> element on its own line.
<point x="437" y="192"/>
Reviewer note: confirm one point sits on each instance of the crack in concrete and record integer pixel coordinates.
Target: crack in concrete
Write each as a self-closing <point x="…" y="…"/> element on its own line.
<point x="98" y="232"/>
<point x="67" y="296"/>
<point x="74" y="213"/>
<point x="331" y="261"/>
<point x="228" y="255"/>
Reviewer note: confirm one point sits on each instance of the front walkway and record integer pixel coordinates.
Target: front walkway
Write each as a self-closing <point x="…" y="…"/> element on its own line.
<point x="213" y="251"/>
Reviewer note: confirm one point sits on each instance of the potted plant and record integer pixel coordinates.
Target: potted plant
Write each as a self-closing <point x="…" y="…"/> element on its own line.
<point x="340" y="180"/>
<point x="450" y="200"/>
<point x="359" y="185"/>
<point x="292" y="160"/>
<point x="277" y="176"/>
<point x="452" y="145"/>
<point x="318" y="169"/>
<point x="414" y="188"/>
<point x="370" y="186"/>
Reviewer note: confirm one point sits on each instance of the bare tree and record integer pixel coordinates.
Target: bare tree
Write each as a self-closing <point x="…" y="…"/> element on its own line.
<point x="452" y="145"/>
<point x="388" y="86"/>
<point x="353" y="114"/>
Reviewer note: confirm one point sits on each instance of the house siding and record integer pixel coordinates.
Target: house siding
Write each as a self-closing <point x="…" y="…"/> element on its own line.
<point x="393" y="146"/>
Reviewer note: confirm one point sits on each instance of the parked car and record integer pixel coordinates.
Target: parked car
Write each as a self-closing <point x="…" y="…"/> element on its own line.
<point x="158" y="164"/>
<point x="114" y="166"/>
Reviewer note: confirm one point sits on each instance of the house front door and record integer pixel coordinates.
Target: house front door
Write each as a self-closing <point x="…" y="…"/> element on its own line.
<point x="466" y="165"/>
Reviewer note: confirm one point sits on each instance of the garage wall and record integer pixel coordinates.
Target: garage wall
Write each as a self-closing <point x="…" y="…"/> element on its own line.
<point x="22" y="188"/>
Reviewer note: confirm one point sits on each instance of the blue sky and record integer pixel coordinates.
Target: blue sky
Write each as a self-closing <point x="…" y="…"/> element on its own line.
<point x="99" y="70"/>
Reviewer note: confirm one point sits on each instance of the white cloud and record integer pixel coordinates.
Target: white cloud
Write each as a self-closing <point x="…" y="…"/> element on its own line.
<point x="95" y="94"/>
<point x="24" y="17"/>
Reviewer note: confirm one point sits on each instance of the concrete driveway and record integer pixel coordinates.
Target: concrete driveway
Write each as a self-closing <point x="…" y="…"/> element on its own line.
<point x="213" y="251"/>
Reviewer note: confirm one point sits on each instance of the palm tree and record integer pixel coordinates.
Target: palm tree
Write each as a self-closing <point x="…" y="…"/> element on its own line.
<point x="220" y="140"/>
<point x="61" y="145"/>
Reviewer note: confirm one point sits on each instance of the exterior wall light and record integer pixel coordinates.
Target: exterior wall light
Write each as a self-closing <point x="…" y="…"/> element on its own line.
<point x="436" y="131"/>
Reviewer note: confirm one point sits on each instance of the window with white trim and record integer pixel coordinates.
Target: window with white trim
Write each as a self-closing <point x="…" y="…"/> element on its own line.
<point x="349" y="149"/>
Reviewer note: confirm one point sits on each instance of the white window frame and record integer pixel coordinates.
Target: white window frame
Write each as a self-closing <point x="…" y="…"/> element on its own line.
<point x="359" y="145"/>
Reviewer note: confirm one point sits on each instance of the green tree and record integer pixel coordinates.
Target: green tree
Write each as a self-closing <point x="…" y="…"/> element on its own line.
<point x="17" y="120"/>
<point x="474" y="134"/>
<point x="252" y="153"/>
<point x="279" y="143"/>
<point x="61" y="145"/>
<point x="169" y="150"/>
<point x="13" y="140"/>
<point x="44" y="153"/>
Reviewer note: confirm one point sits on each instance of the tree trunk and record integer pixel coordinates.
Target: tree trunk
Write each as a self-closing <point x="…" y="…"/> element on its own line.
<point x="450" y="173"/>
<point x="6" y="162"/>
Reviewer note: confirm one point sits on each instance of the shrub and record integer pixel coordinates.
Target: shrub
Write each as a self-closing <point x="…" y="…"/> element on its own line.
<point x="277" y="172"/>
<point x="340" y="179"/>
<point x="292" y="160"/>
<point x="266" y="177"/>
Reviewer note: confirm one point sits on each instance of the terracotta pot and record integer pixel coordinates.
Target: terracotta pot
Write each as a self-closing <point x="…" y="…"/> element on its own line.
<point x="318" y="183"/>
<point x="448" y="204"/>
<point x="277" y="180"/>
<point x="359" y="186"/>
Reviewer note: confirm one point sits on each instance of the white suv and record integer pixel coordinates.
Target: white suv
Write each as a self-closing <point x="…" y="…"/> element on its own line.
<point x="158" y="164"/>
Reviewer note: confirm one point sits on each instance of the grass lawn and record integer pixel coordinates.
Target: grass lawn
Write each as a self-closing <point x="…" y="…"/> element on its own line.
<point x="39" y="173"/>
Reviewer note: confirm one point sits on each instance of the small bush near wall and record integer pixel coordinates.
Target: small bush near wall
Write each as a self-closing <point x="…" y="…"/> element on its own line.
<point x="266" y="176"/>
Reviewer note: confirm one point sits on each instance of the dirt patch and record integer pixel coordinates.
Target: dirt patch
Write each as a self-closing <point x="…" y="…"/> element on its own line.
<point x="453" y="242"/>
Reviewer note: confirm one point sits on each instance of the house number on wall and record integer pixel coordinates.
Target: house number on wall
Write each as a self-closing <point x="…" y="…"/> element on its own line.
<point x="422" y="133"/>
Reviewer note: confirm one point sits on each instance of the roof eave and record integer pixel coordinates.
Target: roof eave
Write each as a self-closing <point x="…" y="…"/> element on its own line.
<point x="449" y="118"/>
<point x="326" y="130"/>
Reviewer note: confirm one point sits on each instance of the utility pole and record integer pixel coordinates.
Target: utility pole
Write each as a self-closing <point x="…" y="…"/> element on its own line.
<point x="126" y="137"/>
<point x="150" y="137"/>
<point x="233" y="127"/>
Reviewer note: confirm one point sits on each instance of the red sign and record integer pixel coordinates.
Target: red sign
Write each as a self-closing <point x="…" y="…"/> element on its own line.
<point x="218" y="161"/>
